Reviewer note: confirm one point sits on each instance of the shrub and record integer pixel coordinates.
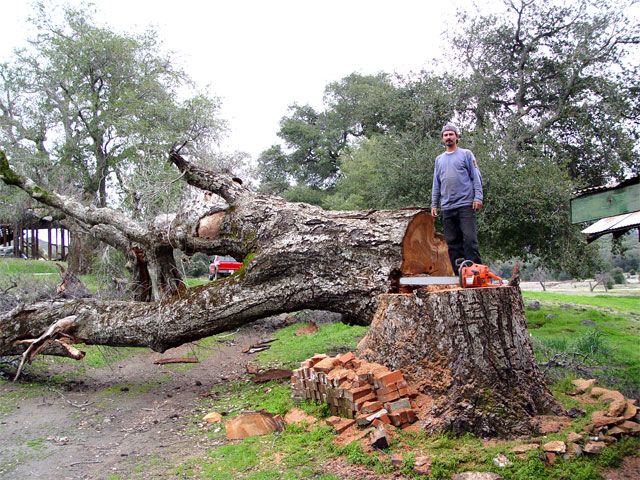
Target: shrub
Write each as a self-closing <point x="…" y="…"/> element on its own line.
<point x="617" y="275"/>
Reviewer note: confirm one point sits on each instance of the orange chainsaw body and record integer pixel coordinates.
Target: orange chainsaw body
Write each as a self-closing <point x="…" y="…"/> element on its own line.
<point x="475" y="275"/>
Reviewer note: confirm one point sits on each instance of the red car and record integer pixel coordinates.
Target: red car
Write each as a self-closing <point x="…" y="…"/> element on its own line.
<point x="223" y="266"/>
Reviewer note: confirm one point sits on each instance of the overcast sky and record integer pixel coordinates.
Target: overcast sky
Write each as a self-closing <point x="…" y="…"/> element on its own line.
<point x="259" y="57"/>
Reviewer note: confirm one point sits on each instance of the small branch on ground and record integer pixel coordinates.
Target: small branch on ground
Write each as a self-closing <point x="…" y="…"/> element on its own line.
<point x="260" y="346"/>
<point x="228" y="334"/>
<point x="81" y="405"/>
<point x="84" y="462"/>
<point x="163" y="361"/>
<point x="567" y="360"/>
<point x="6" y="290"/>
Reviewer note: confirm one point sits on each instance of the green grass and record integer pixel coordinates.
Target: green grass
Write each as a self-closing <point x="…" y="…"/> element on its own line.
<point x="18" y="266"/>
<point x="298" y="453"/>
<point x="35" y="443"/>
<point x="46" y="271"/>
<point x="9" y="399"/>
<point x="25" y="270"/>
<point x="200" y="349"/>
<point x="292" y="454"/>
<point x="195" y="282"/>
<point x="134" y="389"/>
<point x="289" y="350"/>
<point x="97" y="356"/>
<point x="607" y="345"/>
<point x="12" y="393"/>
<point x="626" y="304"/>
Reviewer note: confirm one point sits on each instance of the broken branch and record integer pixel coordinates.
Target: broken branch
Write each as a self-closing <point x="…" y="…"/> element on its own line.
<point x="36" y="345"/>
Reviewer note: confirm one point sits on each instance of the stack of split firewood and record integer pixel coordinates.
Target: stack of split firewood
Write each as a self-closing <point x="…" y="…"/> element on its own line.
<point x="370" y="393"/>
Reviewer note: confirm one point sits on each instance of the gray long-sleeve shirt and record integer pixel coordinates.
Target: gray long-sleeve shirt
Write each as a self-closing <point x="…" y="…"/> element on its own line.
<point x="456" y="180"/>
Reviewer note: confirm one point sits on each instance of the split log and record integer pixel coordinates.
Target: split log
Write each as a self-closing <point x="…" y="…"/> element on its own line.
<point x="56" y="333"/>
<point x="470" y="351"/>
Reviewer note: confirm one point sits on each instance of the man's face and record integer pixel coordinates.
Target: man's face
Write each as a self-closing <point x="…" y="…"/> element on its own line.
<point x="449" y="138"/>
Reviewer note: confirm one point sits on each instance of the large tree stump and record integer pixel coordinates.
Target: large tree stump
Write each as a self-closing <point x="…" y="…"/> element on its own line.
<point x="469" y="350"/>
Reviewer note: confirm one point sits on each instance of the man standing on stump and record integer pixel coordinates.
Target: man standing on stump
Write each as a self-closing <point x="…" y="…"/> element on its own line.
<point x="457" y="188"/>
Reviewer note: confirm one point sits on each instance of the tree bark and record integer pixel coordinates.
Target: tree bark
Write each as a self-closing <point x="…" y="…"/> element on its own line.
<point x="304" y="257"/>
<point x="469" y="350"/>
<point x="317" y="258"/>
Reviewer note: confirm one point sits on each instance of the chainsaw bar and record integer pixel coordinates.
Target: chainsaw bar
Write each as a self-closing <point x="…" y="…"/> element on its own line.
<point x="429" y="281"/>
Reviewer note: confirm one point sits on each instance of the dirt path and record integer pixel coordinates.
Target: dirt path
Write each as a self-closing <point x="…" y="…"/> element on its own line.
<point x="128" y="419"/>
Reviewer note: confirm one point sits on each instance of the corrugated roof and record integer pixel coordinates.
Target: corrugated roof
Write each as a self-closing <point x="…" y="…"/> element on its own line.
<point x="616" y="224"/>
<point x="604" y="188"/>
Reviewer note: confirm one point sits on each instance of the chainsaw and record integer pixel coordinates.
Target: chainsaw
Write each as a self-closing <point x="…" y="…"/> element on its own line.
<point x="472" y="275"/>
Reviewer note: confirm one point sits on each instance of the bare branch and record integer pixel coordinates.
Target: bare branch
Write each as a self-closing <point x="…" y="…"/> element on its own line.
<point x="221" y="185"/>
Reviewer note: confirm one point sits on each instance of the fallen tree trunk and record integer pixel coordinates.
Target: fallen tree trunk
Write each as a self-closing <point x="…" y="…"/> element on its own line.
<point x="469" y="350"/>
<point x="305" y="258"/>
<point x="297" y="256"/>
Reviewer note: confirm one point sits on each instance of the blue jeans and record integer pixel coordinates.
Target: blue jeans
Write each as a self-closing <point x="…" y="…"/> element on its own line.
<point x="461" y="234"/>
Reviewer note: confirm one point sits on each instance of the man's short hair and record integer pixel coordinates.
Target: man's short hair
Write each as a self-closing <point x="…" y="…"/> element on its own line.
<point x="450" y="127"/>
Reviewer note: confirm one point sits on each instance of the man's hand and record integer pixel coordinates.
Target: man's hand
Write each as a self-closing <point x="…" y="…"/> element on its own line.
<point x="477" y="205"/>
<point x="434" y="212"/>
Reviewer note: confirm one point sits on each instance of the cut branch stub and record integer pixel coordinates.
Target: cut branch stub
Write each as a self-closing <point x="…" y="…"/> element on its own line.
<point x="469" y="350"/>
<point x="222" y="185"/>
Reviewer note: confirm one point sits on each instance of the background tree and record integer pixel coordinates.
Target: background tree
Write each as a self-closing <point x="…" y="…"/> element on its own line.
<point x="91" y="112"/>
<point x="556" y="78"/>
<point x="358" y="106"/>
<point x="546" y="96"/>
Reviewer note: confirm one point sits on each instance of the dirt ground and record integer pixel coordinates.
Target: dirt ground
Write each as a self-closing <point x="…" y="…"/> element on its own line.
<point x="80" y="432"/>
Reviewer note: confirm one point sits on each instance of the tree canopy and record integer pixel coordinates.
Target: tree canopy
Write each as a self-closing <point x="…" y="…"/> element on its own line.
<point x="86" y="110"/>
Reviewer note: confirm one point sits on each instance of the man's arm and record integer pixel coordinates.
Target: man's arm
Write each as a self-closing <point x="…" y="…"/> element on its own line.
<point x="435" y="190"/>
<point x="476" y="178"/>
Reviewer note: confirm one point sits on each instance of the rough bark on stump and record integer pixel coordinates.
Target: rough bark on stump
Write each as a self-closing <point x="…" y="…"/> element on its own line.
<point x="469" y="350"/>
